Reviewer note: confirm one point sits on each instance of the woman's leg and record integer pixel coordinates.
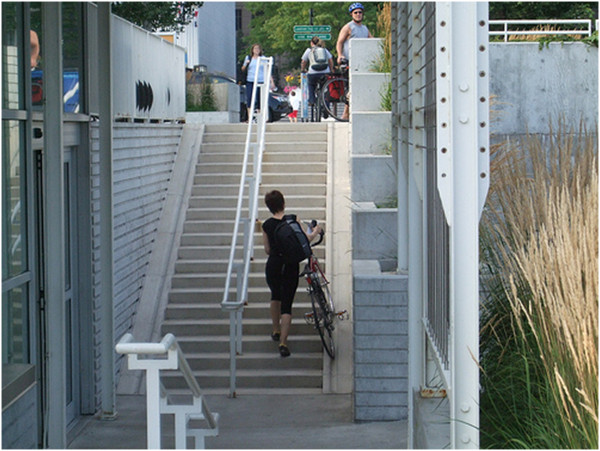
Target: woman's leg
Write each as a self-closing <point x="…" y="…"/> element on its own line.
<point x="276" y="315"/>
<point x="286" y="323"/>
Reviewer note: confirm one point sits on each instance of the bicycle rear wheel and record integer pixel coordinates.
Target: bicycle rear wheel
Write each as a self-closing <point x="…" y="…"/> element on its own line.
<point x="323" y="316"/>
<point x="334" y="97"/>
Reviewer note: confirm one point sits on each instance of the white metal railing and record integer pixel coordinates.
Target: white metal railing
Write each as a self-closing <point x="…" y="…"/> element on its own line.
<point x="508" y="24"/>
<point x="157" y="397"/>
<point x="252" y="182"/>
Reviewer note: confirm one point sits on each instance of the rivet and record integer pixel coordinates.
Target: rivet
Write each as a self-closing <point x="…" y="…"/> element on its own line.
<point x="482" y="48"/>
<point x="482" y="149"/>
<point x="483" y="175"/>
<point x="482" y="99"/>
<point x="465" y="408"/>
<point x="482" y="124"/>
<point x="443" y="23"/>
<point x="443" y="99"/>
<point x="444" y="175"/>
<point x="463" y="119"/>
<point x="444" y="150"/>
<point x="482" y="23"/>
<point x="464" y="87"/>
<point x="482" y="74"/>
<point x="465" y="439"/>
<point x="443" y="74"/>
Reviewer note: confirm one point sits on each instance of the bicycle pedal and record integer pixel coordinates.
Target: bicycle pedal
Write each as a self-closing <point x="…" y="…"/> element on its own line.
<point x="309" y="318"/>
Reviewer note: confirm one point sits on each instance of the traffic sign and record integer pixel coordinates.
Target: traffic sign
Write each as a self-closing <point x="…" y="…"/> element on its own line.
<point x="312" y="28"/>
<point x="309" y="36"/>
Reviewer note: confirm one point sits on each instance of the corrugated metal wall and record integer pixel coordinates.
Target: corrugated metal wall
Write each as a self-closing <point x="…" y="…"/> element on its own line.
<point x="143" y="158"/>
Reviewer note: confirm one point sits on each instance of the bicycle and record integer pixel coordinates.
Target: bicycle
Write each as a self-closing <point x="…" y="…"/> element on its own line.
<point x="332" y="95"/>
<point x="323" y="312"/>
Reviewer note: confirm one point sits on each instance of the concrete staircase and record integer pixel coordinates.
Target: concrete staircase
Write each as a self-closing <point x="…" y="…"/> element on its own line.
<point x="294" y="162"/>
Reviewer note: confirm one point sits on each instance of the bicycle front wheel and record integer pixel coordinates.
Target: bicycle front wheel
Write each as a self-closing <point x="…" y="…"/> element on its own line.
<point x="335" y="97"/>
<point x="323" y="319"/>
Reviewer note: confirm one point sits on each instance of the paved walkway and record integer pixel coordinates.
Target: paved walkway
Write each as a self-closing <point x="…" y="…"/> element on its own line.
<point x="253" y="422"/>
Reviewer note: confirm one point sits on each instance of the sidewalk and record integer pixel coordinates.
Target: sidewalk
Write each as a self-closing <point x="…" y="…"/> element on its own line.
<point x="253" y="422"/>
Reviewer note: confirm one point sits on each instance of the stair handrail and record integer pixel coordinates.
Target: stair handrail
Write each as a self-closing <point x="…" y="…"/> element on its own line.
<point x="266" y="65"/>
<point x="236" y="307"/>
<point x="156" y="394"/>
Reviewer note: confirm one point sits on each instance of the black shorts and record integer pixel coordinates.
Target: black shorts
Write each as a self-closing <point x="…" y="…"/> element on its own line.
<point x="283" y="282"/>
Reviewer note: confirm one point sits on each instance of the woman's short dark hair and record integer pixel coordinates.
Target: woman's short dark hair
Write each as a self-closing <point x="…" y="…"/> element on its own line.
<point x="274" y="201"/>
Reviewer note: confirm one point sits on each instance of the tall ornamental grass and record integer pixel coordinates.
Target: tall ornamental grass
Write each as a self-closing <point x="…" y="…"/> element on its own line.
<point x="539" y="255"/>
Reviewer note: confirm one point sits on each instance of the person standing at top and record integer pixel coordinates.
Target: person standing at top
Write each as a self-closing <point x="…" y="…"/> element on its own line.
<point x="353" y="29"/>
<point x="319" y="61"/>
<point x="250" y="66"/>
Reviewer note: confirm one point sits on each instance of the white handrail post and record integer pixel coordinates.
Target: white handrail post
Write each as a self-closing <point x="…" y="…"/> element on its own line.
<point x="232" y="353"/>
<point x="153" y="407"/>
<point x="242" y="297"/>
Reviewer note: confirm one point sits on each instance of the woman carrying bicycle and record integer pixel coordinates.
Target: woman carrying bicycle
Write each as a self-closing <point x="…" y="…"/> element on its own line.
<point x="282" y="278"/>
<point x="319" y="61"/>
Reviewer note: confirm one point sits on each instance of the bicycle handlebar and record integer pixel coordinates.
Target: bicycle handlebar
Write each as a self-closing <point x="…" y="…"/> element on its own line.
<point x="312" y="224"/>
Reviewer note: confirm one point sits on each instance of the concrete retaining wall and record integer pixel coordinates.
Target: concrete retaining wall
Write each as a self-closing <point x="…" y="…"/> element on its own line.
<point x="532" y="85"/>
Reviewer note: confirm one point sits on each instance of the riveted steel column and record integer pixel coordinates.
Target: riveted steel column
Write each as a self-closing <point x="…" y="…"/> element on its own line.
<point x="106" y="210"/>
<point x="53" y="164"/>
<point x="459" y="161"/>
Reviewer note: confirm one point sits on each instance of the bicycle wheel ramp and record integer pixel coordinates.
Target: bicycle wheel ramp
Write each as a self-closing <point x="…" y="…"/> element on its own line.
<point x="193" y="313"/>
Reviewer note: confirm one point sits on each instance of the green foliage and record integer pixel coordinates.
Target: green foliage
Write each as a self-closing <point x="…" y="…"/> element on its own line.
<point x="542" y="10"/>
<point x="154" y="16"/>
<point x="272" y="27"/>
<point x="386" y="97"/>
<point x="207" y="99"/>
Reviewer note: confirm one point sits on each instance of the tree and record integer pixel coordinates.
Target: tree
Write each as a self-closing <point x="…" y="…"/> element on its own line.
<point x="272" y="26"/>
<point x="154" y="16"/>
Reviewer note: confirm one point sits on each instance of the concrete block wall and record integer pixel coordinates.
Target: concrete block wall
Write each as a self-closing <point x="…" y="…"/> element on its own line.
<point x="380" y="344"/>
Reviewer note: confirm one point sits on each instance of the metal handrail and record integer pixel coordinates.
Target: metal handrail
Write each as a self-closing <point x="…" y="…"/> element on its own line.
<point x="506" y="32"/>
<point x="235" y="307"/>
<point x="175" y="360"/>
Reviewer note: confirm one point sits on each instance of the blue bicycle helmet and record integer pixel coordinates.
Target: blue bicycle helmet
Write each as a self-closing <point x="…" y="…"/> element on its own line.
<point x="354" y="6"/>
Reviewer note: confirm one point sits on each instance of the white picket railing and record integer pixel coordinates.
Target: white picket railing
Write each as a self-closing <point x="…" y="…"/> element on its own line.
<point x="157" y="397"/>
<point x="526" y="27"/>
<point x="252" y="184"/>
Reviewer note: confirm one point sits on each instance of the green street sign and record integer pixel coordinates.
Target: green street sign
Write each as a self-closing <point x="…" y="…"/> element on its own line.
<point x="309" y="36"/>
<point x="312" y="29"/>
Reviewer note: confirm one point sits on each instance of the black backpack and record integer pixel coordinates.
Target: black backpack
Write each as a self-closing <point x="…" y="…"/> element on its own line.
<point x="291" y="240"/>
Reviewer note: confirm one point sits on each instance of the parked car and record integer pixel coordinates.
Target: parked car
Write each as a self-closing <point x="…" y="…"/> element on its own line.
<point x="279" y="105"/>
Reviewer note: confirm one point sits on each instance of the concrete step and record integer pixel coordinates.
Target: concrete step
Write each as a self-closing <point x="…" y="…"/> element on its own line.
<point x="231" y="201"/>
<point x="305" y="213"/>
<point x="310" y="343"/>
<point x="226" y="225"/>
<point x="254" y="310"/>
<point x="204" y="266"/>
<point x="250" y="326"/>
<point x="236" y="149"/>
<point x="272" y="378"/>
<point x="255" y="361"/>
<point x="272" y="137"/>
<point x="193" y="295"/>
<point x="222" y="252"/>
<point x="235" y="167"/>
<point x="275" y="126"/>
<point x="298" y="177"/>
<point x="233" y="189"/>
